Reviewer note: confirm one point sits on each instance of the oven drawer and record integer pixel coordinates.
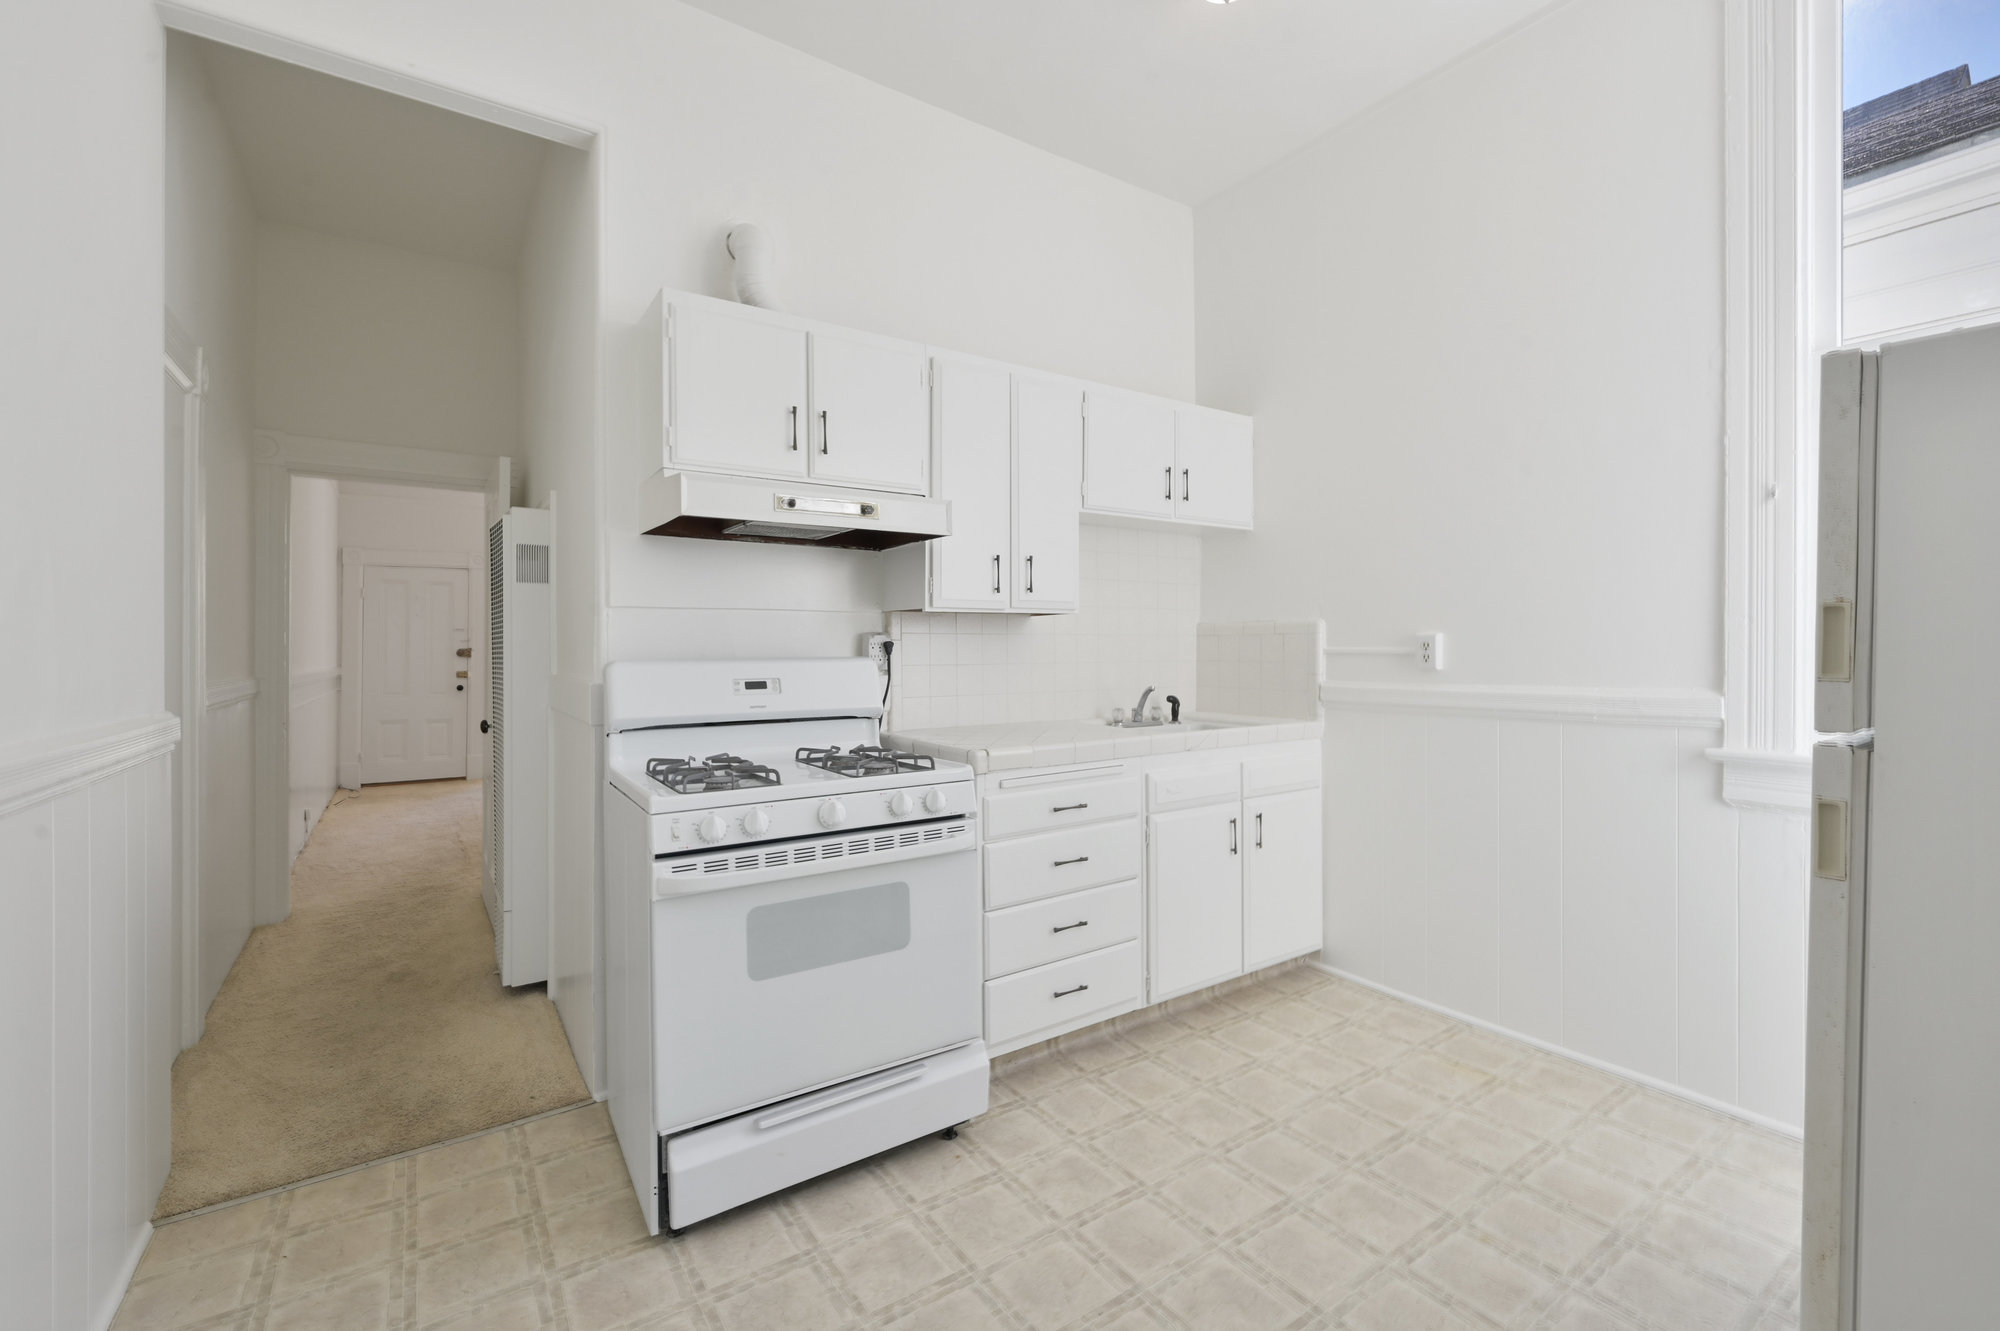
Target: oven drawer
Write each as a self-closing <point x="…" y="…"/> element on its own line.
<point x="1030" y="868"/>
<point x="1064" y="926"/>
<point x="1063" y="804"/>
<point x="726" y="1164"/>
<point x="1048" y="1000"/>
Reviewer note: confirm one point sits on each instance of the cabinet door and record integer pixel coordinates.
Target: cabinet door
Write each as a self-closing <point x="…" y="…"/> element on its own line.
<point x="1048" y="485"/>
<point x="973" y="405"/>
<point x="738" y="388"/>
<point x="1194" y="897"/>
<point x="870" y="413"/>
<point x="1128" y="456"/>
<point x="1282" y="886"/>
<point x="1212" y="483"/>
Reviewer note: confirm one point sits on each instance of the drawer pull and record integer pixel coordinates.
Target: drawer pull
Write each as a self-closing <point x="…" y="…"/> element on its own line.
<point x="1081" y="859"/>
<point x="1232" y="836"/>
<point x="1064" y="993"/>
<point x="1065" y="808"/>
<point x="1062" y="927"/>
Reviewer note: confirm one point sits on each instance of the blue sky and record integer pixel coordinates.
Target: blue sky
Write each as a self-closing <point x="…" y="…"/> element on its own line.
<point x="1892" y="43"/>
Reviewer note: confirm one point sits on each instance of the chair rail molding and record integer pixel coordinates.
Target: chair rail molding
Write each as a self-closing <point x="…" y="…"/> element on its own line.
<point x="1530" y="702"/>
<point x="1781" y="309"/>
<point x="33" y="773"/>
<point x="231" y="691"/>
<point x="1765" y="782"/>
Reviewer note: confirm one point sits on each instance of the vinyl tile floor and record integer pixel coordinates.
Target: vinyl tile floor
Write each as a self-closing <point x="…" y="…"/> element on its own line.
<point x="1297" y="1153"/>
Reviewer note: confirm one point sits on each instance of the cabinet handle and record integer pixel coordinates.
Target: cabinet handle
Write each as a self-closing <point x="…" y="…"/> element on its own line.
<point x="1062" y="927"/>
<point x="1184" y="484"/>
<point x="1060" y="993"/>
<point x="1031" y="575"/>
<point x="1260" y="831"/>
<point x="795" y="428"/>
<point x="1065" y="808"/>
<point x="822" y="433"/>
<point x="1232" y="836"/>
<point x="1081" y="859"/>
<point x="1170" y="484"/>
<point x="996" y="575"/>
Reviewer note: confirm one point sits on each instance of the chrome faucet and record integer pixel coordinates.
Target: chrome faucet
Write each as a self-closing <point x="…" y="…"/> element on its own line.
<point x="1139" y="711"/>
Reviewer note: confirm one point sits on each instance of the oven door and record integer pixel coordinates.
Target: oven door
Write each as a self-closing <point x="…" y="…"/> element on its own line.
<point x="770" y="988"/>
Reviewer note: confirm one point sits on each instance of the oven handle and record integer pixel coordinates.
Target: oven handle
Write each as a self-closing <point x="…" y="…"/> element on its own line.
<point x="667" y="886"/>
<point x="841" y="1095"/>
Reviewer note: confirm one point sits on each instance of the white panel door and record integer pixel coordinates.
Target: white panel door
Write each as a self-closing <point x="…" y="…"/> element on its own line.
<point x="738" y="387"/>
<point x="1048" y="490"/>
<point x="871" y="413"/>
<point x="1213" y="480"/>
<point x="1282" y="885"/>
<point x="413" y="709"/>
<point x="1128" y="456"/>
<point x="971" y="569"/>
<point x="1195" y="897"/>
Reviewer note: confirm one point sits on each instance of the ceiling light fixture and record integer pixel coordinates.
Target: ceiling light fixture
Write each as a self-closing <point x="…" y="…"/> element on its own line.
<point x="1222" y="2"/>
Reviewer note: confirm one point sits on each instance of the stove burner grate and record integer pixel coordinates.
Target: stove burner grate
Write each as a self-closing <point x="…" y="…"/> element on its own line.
<point x="722" y="771"/>
<point x="865" y="760"/>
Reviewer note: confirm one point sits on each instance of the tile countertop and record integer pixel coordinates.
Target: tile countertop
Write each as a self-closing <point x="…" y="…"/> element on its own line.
<point x="995" y="748"/>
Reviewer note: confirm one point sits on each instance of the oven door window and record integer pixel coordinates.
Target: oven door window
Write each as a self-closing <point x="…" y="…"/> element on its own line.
<point x="805" y="934"/>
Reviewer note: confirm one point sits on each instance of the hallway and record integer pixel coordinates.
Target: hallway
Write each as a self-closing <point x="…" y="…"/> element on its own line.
<point x="370" y="1022"/>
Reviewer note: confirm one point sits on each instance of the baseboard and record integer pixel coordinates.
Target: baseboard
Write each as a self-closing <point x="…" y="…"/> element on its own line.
<point x="107" y="1312"/>
<point x="1547" y="1047"/>
<point x="33" y="773"/>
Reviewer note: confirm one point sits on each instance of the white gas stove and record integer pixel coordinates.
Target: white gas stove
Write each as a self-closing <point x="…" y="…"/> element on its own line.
<point x="792" y="930"/>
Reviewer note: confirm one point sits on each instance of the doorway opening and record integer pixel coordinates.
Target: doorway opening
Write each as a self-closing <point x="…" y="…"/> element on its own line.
<point x="367" y="279"/>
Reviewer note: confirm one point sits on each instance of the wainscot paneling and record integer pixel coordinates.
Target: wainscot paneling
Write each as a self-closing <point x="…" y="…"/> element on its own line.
<point x="1560" y="864"/>
<point x="87" y="963"/>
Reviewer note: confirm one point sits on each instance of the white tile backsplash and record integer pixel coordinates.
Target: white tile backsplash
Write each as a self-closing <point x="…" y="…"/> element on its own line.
<point x="1141" y="601"/>
<point x="1260" y="667"/>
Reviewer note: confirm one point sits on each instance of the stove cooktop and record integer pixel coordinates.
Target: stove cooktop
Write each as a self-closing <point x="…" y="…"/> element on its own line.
<point x="865" y="760"/>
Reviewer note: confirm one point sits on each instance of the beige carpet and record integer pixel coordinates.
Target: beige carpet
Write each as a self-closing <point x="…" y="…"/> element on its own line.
<point x="373" y="1020"/>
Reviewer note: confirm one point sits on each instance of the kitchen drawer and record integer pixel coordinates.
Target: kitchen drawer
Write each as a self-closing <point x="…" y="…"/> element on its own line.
<point x="1064" y="926"/>
<point x="1048" y="1000"/>
<point x="1030" y="868"/>
<point x="1267" y="774"/>
<point x="1043" y="808"/>
<point x="1185" y="787"/>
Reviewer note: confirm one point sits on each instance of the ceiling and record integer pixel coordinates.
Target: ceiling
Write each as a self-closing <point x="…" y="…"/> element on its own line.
<point x="1182" y="97"/>
<point x="334" y="156"/>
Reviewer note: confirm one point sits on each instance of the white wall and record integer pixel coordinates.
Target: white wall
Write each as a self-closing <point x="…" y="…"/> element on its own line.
<point x="371" y="344"/>
<point x="1481" y="330"/>
<point x="315" y="652"/>
<point x="560" y="470"/>
<point x="210" y="240"/>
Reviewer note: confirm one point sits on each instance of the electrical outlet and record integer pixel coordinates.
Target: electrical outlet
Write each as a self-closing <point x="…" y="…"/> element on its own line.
<point x="877" y="643"/>
<point x="1430" y="651"/>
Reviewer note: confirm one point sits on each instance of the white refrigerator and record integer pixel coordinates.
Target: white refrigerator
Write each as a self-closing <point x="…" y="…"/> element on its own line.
<point x="1902" y="1123"/>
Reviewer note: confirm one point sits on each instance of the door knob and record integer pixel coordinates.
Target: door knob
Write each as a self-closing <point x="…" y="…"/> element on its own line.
<point x="461" y="688"/>
<point x="485" y="727"/>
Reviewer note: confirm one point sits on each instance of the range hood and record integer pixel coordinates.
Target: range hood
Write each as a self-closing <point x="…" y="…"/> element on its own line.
<point x="740" y="508"/>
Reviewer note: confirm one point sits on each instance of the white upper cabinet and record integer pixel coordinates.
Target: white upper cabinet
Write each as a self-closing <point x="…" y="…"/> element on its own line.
<point x="1048" y="484"/>
<point x="736" y="387"/>
<point x="752" y="392"/>
<point x="1129" y="455"/>
<point x="1148" y="458"/>
<point x="1212" y="467"/>
<point x="870" y="413"/>
<point x="972" y="568"/>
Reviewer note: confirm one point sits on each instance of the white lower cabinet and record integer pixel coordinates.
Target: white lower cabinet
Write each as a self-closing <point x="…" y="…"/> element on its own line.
<point x="1282" y="901"/>
<point x="1195" y="896"/>
<point x="1207" y="870"/>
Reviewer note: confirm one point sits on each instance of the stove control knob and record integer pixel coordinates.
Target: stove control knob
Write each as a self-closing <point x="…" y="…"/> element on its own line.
<point x="935" y="800"/>
<point x="900" y="804"/>
<point x="756" y="822"/>
<point x="712" y="828"/>
<point x="832" y="813"/>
